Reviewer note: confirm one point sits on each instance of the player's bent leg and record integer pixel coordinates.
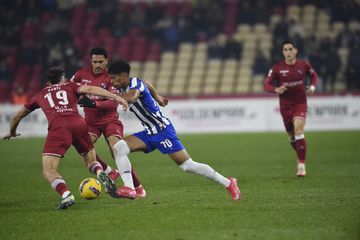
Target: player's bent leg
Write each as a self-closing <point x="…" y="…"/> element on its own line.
<point x="50" y="165"/>
<point x="188" y="165"/>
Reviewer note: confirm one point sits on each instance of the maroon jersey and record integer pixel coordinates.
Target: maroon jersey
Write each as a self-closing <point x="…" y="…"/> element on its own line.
<point x="58" y="100"/>
<point x="293" y="77"/>
<point x="106" y="110"/>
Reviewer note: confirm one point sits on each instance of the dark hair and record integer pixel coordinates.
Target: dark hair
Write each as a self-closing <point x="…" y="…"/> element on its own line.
<point x="288" y="42"/>
<point x="98" y="51"/>
<point x="54" y="74"/>
<point x="119" y="67"/>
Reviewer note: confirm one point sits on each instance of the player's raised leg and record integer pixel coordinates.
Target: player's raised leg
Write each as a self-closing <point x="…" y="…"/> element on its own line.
<point x="50" y="165"/>
<point x="184" y="161"/>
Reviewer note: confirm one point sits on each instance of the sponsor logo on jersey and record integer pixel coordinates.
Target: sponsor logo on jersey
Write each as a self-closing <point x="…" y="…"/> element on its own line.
<point x="85" y="81"/>
<point x="284" y="72"/>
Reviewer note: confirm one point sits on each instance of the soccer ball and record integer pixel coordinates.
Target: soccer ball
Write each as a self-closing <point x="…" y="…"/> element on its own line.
<point x="90" y="188"/>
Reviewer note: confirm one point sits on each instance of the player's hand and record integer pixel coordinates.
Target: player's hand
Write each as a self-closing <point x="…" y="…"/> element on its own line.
<point x="162" y="101"/>
<point x="10" y="135"/>
<point x="87" y="102"/>
<point x="280" y="90"/>
<point x="123" y="102"/>
<point x="310" y="90"/>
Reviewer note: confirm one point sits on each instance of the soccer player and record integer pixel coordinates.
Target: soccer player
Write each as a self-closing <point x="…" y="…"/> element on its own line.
<point x="158" y="133"/>
<point x="66" y="127"/>
<point x="289" y="74"/>
<point x="101" y="113"/>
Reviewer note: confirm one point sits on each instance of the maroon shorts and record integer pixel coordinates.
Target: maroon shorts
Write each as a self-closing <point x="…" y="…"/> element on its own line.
<point x="115" y="128"/>
<point x="290" y="114"/>
<point x="63" y="132"/>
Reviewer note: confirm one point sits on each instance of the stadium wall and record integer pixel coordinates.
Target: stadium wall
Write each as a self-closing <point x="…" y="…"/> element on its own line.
<point x="221" y="115"/>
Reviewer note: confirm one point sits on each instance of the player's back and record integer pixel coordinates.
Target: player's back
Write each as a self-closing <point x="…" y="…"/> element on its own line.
<point x="57" y="100"/>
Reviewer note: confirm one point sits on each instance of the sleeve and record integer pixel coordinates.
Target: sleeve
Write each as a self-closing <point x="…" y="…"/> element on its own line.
<point x="137" y="84"/>
<point x="76" y="86"/>
<point x="269" y="80"/>
<point x="76" y="77"/>
<point x="110" y="103"/>
<point x="32" y="104"/>
<point x="312" y="74"/>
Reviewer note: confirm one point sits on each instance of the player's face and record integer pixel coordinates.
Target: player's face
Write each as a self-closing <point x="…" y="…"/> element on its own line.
<point x="98" y="63"/>
<point x="289" y="52"/>
<point x="120" y="80"/>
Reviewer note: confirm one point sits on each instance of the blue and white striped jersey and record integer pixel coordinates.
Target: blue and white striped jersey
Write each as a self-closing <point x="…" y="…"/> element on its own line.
<point x="146" y="108"/>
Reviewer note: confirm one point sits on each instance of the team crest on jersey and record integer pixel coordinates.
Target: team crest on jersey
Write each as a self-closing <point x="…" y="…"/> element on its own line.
<point x="284" y="72"/>
<point x="300" y="72"/>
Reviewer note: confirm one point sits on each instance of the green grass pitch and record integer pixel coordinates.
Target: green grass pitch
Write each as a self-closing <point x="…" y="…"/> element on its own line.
<point x="181" y="206"/>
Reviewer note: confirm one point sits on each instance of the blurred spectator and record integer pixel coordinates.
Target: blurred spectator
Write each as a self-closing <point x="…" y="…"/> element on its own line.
<point x="245" y="12"/>
<point x="353" y="70"/>
<point x="262" y="12"/>
<point x="18" y="95"/>
<point x="260" y="65"/>
<point x="233" y="49"/>
<point x="332" y="64"/>
<point x="5" y="74"/>
<point x="216" y="47"/>
<point x="171" y="35"/>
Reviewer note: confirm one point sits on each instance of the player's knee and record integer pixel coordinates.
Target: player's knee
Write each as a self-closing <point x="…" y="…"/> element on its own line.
<point x="188" y="165"/>
<point x="49" y="174"/>
<point x="121" y="147"/>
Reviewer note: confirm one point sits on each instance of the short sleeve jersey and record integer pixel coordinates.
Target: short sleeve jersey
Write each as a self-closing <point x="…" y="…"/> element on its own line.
<point x="293" y="77"/>
<point x="58" y="100"/>
<point x="86" y="76"/>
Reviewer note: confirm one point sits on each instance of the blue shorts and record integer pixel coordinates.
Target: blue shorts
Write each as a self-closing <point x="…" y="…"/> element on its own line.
<point x="165" y="141"/>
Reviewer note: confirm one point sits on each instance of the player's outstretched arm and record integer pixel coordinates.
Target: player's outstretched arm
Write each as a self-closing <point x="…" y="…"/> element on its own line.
<point x="104" y="93"/>
<point x="162" y="101"/>
<point x="15" y="122"/>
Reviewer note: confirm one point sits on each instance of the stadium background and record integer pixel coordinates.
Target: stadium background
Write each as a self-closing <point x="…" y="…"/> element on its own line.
<point x="204" y="55"/>
<point x="186" y="48"/>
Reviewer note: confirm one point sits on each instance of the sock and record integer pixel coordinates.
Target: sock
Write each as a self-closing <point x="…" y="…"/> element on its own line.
<point x="300" y="148"/>
<point x="121" y="150"/>
<point x="95" y="168"/>
<point x="293" y="143"/>
<point x="59" y="185"/>
<point x="135" y="178"/>
<point x="106" y="167"/>
<point x="204" y="170"/>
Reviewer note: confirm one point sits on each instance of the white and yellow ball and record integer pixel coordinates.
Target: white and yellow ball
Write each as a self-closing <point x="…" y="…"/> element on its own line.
<point x="90" y="188"/>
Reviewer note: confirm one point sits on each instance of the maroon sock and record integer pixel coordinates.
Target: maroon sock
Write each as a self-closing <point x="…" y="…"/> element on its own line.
<point x="301" y="150"/>
<point x="102" y="163"/>
<point x="135" y="178"/>
<point x="293" y="144"/>
<point x="59" y="186"/>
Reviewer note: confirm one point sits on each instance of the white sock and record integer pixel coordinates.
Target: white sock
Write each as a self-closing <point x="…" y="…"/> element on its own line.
<point x="65" y="194"/>
<point x="108" y="169"/>
<point x="204" y="170"/>
<point x="121" y="149"/>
